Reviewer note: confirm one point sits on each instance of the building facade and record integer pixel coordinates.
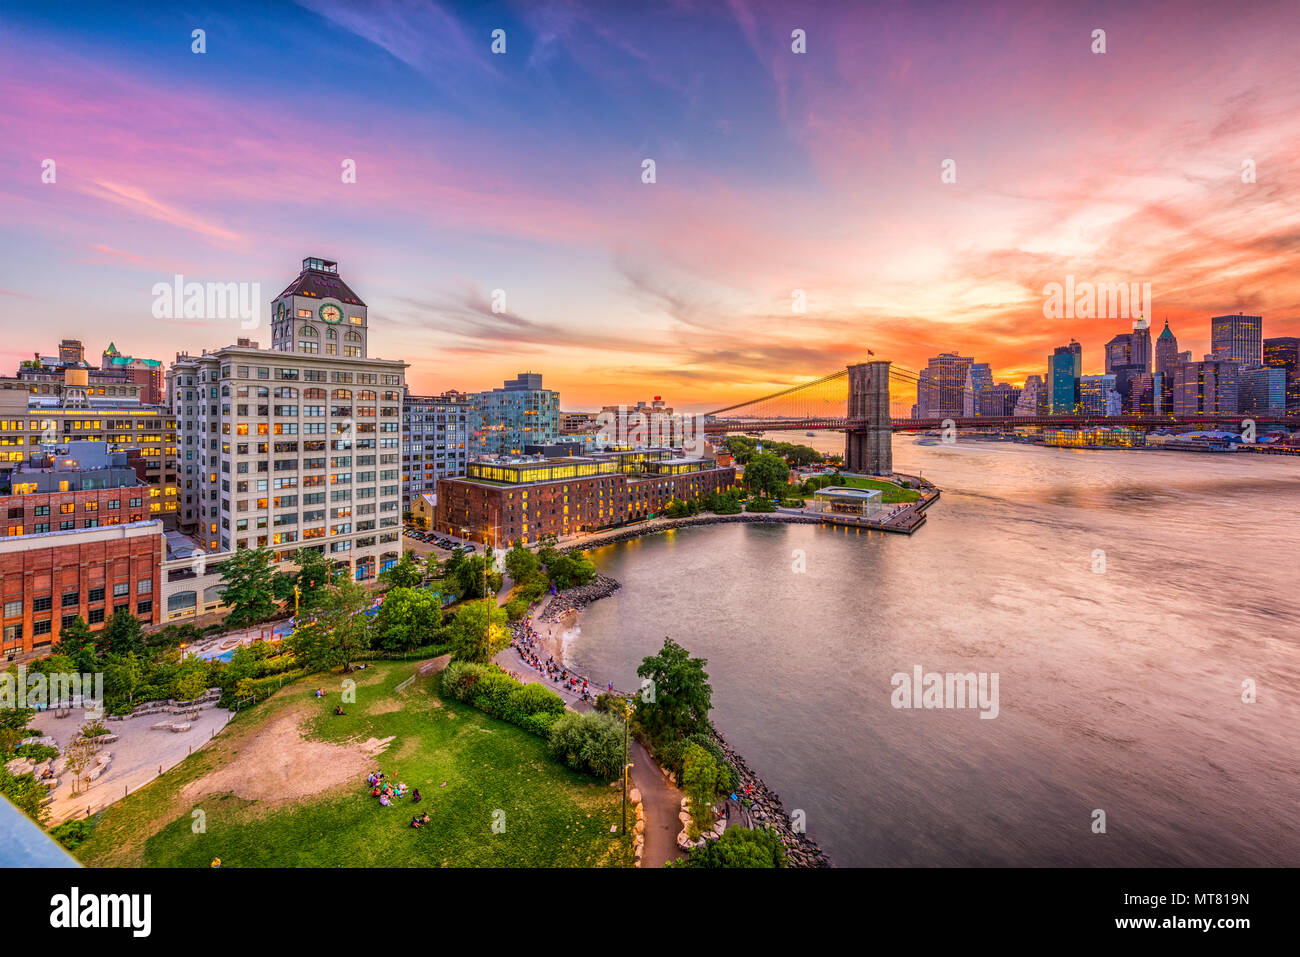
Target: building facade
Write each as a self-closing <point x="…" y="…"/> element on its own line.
<point x="1262" y="391"/>
<point x="512" y="499"/>
<point x="1283" y="352"/>
<point x="299" y="445"/>
<point x="435" y="442"/>
<point x="1064" y="368"/>
<point x="1204" y="388"/>
<point x="520" y="413"/>
<point x="1238" y="338"/>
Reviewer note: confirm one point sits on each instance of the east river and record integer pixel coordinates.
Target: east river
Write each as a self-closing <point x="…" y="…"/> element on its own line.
<point x="1122" y="598"/>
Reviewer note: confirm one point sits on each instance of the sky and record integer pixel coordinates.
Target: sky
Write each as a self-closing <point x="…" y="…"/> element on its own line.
<point x="775" y="171"/>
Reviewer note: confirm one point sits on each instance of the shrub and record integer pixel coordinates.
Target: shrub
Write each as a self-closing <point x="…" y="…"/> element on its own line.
<point x="36" y="752"/>
<point x="590" y="742"/>
<point x="532" y="699"/>
<point x="759" y="505"/>
<point x="72" y="833"/>
<point x="738" y="847"/>
<point x="516" y="608"/>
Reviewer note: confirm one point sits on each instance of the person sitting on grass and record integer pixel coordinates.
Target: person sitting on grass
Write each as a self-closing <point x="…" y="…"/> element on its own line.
<point x="338" y="709"/>
<point x="424" y="818"/>
<point x="383" y="799"/>
<point x="415" y="796"/>
<point x="416" y="822"/>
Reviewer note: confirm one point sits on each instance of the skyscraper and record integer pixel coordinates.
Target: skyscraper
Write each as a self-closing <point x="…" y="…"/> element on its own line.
<point x="1166" y="360"/>
<point x="520" y="413"/>
<point x="1097" y="395"/>
<point x="978" y="378"/>
<point x="941" y="386"/>
<point x="1237" y="337"/>
<point x="1204" y="388"/>
<point x="1064" y="367"/>
<point x="1283" y="352"/>
<point x="1262" y="391"/>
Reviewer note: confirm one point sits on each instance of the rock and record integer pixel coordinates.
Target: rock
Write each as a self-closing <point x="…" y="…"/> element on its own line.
<point x="634" y="796"/>
<point x="683" y="817"/>
<point x="684" y="841"/>
<point x="640" y="827"/>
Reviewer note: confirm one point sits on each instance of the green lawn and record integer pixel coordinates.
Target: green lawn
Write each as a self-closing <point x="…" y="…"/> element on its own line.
<point x="553" y="817"/>
<point x="893" y="494"/>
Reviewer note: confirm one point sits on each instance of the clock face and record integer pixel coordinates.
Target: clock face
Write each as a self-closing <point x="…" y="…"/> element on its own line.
<point x="331" y="313"/>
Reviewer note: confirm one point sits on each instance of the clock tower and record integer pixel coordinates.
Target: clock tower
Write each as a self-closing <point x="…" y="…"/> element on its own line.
<point x="319" y="315"/>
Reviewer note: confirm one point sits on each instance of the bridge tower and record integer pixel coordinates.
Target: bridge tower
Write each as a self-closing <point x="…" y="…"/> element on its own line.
<point x="868" y="433"/>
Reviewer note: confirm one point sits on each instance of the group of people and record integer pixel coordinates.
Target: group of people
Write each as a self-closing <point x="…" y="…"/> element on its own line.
<point x="526" y="642"/>
<point x="389" y="793"/>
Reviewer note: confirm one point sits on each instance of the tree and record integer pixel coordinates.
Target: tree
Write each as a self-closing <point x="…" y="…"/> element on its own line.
<point x="479" y="631"/>
<point x="522" y="564"/>
<point x="405" y="573"/>
<point x="253" y="587"/>
<point x="408" y="618"/>
<point x="677" y="702"/>
<point x="191" y="680"/>
<point x="123" y="634"/>
<point x="700" y="777"/>
<point x="77" y="641"/>
<point x="589" y="742"/>
<point x="766" y="473"/>
<point x="124" y="676"/>
<point x="467" y="577"/>
<point x="346" y="626"/>
<point x="316" y="573"/>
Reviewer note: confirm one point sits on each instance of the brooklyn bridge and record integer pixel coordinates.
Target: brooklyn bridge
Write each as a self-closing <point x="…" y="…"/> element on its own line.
<point x="869" y="401"/>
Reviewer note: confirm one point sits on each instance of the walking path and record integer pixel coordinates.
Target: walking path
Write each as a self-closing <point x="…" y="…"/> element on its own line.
<point x="661" y="801"/>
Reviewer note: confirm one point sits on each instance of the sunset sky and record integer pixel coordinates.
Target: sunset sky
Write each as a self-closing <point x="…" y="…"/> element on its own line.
<point x="775" y="171"/>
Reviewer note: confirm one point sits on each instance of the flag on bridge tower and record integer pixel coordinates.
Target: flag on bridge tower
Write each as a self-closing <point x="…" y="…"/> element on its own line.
<point x="870" y="353"/>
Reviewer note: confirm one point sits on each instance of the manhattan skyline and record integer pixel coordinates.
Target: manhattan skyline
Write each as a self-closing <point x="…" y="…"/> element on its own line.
<point x="775" y="172"/>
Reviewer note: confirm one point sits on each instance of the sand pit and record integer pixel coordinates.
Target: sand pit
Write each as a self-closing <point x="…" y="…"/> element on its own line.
<point x="277" y="764"/>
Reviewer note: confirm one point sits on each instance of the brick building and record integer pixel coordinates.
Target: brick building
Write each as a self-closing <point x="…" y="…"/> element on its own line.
<point x="79" y="539"/>
<point x="507" y="500"/>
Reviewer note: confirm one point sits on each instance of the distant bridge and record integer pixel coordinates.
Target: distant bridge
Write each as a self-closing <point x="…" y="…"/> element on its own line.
<point x="858" y="401"/>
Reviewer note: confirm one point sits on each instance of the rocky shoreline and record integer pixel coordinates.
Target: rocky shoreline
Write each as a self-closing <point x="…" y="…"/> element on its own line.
<point x="766" y="807"/>
<point x="575" y="599"/>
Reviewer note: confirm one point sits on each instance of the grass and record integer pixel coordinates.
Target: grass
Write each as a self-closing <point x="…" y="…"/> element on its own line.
<point x="553" y="817"/>
<point x="893" y="494"/>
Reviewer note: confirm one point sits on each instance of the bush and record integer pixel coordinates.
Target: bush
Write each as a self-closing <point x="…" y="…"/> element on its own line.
<point x="738" y="847"/>
<point x="516" y="608"/>
<point x="72" y="833"/>
<point x="589" y="742"/>
<point x="36" y="752"/>
<point x="532" y="707"/>
<point x="759" y="505"/>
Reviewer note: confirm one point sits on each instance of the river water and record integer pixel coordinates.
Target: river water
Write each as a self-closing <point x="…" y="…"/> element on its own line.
<point x="1120" y="675"/>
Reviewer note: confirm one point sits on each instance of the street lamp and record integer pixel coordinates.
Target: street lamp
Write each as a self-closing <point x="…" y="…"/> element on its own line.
<point x="628" y="708"/>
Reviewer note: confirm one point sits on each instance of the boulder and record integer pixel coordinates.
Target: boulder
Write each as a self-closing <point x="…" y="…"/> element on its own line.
<point x="634" y="796"/>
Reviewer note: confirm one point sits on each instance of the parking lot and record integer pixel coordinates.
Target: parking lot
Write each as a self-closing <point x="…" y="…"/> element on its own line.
<point x="423" y="543"/>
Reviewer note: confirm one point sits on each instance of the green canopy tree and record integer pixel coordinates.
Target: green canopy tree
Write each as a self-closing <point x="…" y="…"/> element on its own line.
<point x="77" y="641"/>
<point x="478" y="631"/>
<point x="407" y="572"/>
<point x="678" y="701"/>
<point x="253" y="587"/>
<point x="348" y="630"/>
<point x="766" y="473"/>
<point x="408" y="618"/>
<point x="123" y="634"/>
<point x="316" y="573"/>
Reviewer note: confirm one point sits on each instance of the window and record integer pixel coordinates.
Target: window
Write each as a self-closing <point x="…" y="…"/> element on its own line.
<point x="40" y="603"/>
<point x="144" y="607"/>
<point x="121" y="589"/>
<point x="13" y="608"/>
<point x="144" y="586"/>
<point x="66" y="622"/>
<point x="41" y="627"/>
<point x="71" y="599"/>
